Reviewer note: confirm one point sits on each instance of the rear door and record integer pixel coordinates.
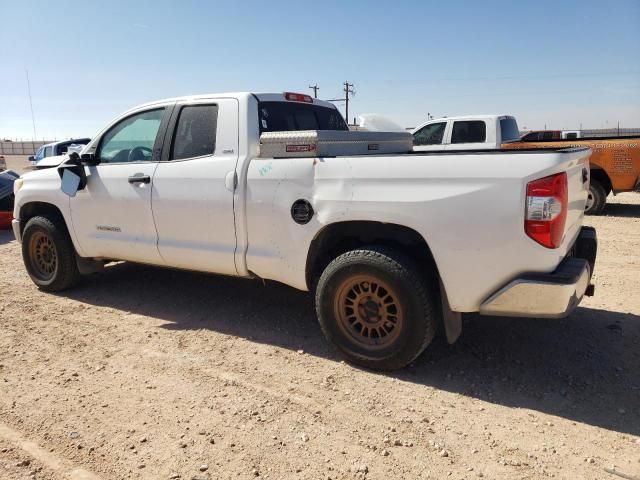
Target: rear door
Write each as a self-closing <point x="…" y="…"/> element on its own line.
<point x="193" y="187"/>
<point x="469" y="135"/>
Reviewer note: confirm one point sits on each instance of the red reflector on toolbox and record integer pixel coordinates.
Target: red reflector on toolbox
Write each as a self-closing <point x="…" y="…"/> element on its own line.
<point x="300" y="148"/>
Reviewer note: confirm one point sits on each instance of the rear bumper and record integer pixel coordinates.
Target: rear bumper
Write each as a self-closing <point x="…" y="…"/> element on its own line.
<point x="15" y="224"/>
<point x="549" y="295"/>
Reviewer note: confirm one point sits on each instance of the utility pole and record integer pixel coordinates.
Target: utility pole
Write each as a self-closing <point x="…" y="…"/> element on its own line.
<point x="33" y="118"/>
<point x="348" y="89"/>
<point x="315" y="89"/>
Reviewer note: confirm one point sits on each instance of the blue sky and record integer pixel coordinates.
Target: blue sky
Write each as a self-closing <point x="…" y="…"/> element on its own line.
<point x="553" y="63"/>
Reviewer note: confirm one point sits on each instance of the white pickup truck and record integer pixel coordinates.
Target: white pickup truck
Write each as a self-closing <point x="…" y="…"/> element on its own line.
<point x="393" y="245"/>
<point x="470" y="132"/>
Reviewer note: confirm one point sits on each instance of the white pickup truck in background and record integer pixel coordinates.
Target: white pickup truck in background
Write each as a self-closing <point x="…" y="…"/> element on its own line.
<point x="259" y="186"/>
<point x="469" y="132"/>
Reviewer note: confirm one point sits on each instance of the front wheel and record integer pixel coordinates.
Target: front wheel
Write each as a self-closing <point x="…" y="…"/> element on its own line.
<point x="596" y="199"/>
<point x="376" y="308"/>
<point x="48" y="254"/>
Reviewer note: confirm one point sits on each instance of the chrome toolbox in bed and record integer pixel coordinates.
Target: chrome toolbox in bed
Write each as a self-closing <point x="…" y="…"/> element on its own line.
<point x="331" y="143"/>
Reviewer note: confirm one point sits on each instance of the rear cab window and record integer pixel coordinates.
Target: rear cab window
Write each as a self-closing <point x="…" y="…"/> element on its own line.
<point x="509" y="130"/>
<point x="277" y="116"/>
<point x="469" y="131"/>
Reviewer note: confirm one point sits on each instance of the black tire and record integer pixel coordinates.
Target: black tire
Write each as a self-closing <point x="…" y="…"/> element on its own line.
<point x="597" y="199"/>
<point x="48" y="254"/>
<point x="365" y="330"/>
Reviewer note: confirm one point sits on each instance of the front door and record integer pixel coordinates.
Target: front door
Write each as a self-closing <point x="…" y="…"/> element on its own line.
<point x="112" y="215"/>
<point x="193" y="187"/>
<point x="429" y="137"/>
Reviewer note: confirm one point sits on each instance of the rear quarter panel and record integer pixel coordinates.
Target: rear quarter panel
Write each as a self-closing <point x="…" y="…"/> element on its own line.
<point x="468" y="207"/>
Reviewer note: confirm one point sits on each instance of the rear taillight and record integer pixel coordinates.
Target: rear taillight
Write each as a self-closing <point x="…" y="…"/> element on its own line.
<point x="546" y="211"/>
<point x="298" y="97"/>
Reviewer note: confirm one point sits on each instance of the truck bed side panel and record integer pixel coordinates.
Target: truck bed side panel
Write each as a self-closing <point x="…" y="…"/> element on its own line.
<point x="468" y="207"/>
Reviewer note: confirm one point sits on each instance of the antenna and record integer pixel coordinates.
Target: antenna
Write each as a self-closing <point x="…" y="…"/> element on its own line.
<point x="33" y="118"/>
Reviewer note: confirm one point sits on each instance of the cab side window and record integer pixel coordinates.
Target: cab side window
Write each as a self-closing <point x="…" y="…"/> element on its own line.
<point x="430" y="134"/>
<point x="48" y="152"/>
<point x="195" y="133"/>
<point x="132" y="139"/>
<point x="473" y="131"/>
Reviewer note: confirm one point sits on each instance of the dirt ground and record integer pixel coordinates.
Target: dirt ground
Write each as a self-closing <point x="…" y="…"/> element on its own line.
<point x="149" y="373"/>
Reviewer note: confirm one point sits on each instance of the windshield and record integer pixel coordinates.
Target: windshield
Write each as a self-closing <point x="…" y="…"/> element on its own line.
<point x="509" y="130"/>
<point x="291" y="116"/>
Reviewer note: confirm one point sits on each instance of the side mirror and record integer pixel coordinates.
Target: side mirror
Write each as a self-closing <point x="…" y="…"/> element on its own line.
<point x="31" y="158"/>
<point x="72" y="175"/>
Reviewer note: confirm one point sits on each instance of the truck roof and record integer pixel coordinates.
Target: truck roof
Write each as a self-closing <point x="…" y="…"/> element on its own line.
<point x="471" y="117"/>
<point x="260" y="96"/>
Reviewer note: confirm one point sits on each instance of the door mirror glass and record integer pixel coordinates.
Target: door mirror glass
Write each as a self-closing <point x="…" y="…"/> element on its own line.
<point x="70" y="182"/>
<point x="72" y="176"/>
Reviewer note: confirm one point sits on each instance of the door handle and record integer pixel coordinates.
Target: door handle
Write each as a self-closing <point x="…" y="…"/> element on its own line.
<point x="139" y="178"/>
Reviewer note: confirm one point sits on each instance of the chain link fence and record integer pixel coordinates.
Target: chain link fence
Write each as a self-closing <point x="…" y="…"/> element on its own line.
<point x="21" y="147"/>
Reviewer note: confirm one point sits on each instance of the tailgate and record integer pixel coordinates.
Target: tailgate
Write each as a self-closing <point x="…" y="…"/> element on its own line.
<point x="577" y="169"/>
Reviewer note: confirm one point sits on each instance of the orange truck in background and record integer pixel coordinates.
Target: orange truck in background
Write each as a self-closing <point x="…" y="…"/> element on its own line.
<point x="614" y="162"/>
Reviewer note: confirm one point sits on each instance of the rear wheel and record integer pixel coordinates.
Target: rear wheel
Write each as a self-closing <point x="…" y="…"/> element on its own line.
<point x="596" y="199"/>
<point x="48" y="254"/>
<point x="376" y="308"/>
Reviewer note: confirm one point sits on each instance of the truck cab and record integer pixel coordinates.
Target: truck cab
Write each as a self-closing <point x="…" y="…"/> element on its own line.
<point x="470" y="132"/>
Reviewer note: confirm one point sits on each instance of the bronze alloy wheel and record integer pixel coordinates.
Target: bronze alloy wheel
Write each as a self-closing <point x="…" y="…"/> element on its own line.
<point x="368" y="311"/>
<point x="43" y="256"/>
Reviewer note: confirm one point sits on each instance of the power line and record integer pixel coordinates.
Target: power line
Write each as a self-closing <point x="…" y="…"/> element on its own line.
<point x="315" y="89"/>
<point x="33" y="118"/>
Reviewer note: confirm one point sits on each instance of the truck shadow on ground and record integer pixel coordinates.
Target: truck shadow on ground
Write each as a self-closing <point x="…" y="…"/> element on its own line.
<point x="584" y="368"/>
<point x="630" y="210"/>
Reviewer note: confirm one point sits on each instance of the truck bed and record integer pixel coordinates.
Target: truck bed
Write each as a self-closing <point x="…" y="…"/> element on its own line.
<point x="468" y="206"/>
